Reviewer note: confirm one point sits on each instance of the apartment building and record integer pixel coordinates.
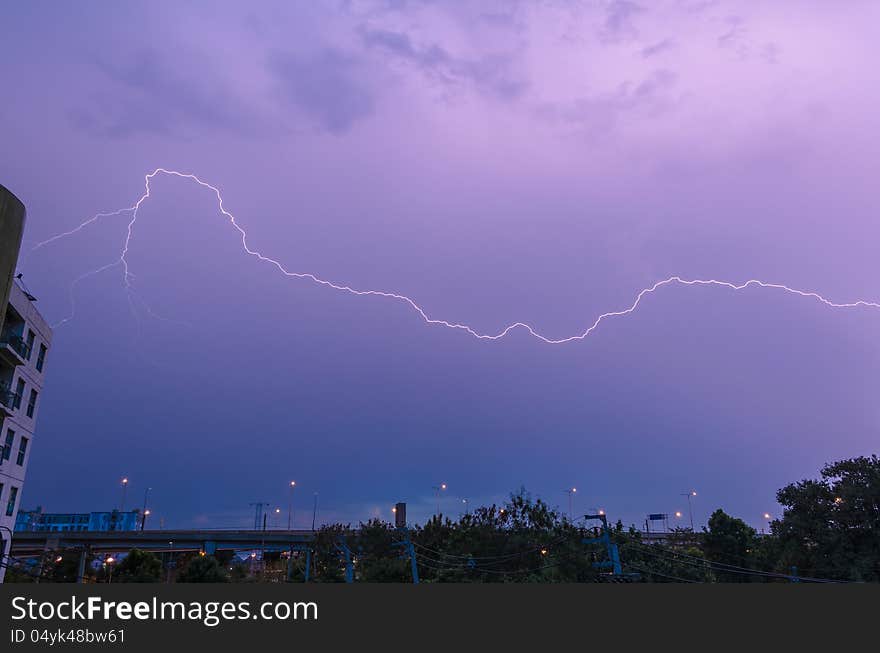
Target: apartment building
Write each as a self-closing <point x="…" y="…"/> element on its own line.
<point x="25" y="340"/>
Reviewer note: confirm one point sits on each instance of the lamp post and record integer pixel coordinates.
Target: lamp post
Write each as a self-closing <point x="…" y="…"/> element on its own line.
<point x="466" y="510"/>
<point x="290" y="506"/>
<point x="124" y="484"/>
<point x="144" y="518"/>
<point x="314" y="511"/>
<point x="277" y="517"/>
<point x="689" y="494"/>
<point x="108" y="567"/>
<point x="570" y="492"/>
<point x="437" y="489"/>
<point x="144" y="511"/>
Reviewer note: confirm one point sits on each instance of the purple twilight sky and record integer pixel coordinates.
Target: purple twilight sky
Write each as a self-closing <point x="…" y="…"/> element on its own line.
<point x="497" y="162"/>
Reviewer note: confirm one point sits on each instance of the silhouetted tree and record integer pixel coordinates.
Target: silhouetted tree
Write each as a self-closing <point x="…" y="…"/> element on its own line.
<point x="831" y="527"/>
<point x="203" y="569"/>
<point x="731" y="542"/>
<point x="138" y="567"/>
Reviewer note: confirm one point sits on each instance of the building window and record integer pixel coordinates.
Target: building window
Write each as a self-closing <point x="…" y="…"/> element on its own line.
<point x="7" y="447"/>
<point x="30" y="343"/>
<point x="19" y="393"/>
<point x="41" y="357"/>
<point x="32" y="403"/>
<point x="22" y="450"/>
<point x="10" y="505"/>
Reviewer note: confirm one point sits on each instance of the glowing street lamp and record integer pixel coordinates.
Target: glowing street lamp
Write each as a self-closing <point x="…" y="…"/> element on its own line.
<point x="570" y="492"/>
<point x="689" y="494"/>
<point x="108" y="567"/>
<point x="437" y="490"/>
<point x="124" y="484"/>
<point x="144" y="509"/>
<point x="290" y="506"/>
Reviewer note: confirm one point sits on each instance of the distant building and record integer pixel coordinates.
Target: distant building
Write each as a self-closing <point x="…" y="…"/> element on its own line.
<point x="39" y="521"/>
<point x="25" y="339"/>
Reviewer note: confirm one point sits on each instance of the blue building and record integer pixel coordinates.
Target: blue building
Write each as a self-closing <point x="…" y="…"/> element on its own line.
<point x="39" y="521"/>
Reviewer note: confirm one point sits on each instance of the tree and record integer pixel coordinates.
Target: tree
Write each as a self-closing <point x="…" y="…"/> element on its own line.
<point x="729" y="541"/>
<point x="203" y="569"/>
<point x="139" y="567"/>
<point x="831" y="527"/>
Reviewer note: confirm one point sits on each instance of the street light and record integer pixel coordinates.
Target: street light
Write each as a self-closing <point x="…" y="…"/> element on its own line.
<point x="689" y="494"/>
<point x="124" y="483"/>
<point x="290" y="506"/>
<point x="144" y="511"/>
<point x="570" y="492"/>
<point x="144" y="518"/>
<point x="437" y="489"/>
<point x="465" y="502"/>
<point x="277" y="517"/>
<point x="108" y="567"/>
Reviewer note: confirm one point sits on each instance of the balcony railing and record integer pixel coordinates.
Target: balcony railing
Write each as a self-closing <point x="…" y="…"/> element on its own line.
<point x="8" y="399"/>
<point x="16" y="344"/>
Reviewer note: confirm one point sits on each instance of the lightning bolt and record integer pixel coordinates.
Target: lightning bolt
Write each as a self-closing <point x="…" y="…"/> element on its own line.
<point x="127" y="276"/>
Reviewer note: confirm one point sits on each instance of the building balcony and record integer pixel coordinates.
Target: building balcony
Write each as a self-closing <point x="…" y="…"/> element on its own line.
<point x="9" y="401"/>
<point x="13" y="350"/>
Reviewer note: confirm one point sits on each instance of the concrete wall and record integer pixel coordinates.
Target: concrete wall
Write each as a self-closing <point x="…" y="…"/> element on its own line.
<point x="12" y="215"/>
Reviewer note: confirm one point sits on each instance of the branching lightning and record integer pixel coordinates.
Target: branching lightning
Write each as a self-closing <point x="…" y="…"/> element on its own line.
<point x="127" y="276"/>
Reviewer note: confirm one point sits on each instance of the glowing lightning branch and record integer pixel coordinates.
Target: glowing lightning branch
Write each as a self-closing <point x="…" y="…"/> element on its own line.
<point x="127" y="276"/>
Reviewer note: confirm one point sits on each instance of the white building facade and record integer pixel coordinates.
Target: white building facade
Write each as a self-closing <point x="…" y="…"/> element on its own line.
<point x="24" y="350"/>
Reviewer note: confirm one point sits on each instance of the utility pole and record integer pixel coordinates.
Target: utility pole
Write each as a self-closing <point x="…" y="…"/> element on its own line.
<point x="409" y="551"/>
<point x="315" y="511"/>
<point x="611" y="550"/>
